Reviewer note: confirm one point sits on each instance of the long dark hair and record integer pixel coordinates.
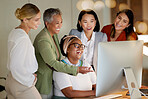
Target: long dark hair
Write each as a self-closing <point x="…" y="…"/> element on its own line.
<point x="129" y="29"/>
<point x="97" y="27"/>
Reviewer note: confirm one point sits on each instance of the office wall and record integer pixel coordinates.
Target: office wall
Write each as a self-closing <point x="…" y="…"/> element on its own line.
<point x="145" y="7"/>
<point x="145" y="14"/>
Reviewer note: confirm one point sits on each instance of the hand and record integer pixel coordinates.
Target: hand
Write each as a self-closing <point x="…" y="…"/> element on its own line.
<point x="35" y="77"/>
<point x="84" y="70"/>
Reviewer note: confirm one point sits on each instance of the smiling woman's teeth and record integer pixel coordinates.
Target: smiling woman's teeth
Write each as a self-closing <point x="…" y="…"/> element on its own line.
<point x="79" y="52"/>
<point x="118" y="25"/>
<point x="57" y="29"/>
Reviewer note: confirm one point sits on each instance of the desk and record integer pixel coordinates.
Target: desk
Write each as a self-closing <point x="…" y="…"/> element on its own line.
<point x="122" y="97"/>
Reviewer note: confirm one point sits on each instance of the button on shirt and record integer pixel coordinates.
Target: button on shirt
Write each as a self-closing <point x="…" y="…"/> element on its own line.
<point x="87" y="56"/>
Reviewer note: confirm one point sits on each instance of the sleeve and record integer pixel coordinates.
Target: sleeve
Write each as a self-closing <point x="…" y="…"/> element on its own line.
<point x="49" y="58"/>
<point x="71" y="32"/>
<point x="93" y="77"/>
<point x="104" y="37"/>
<point x="62" y="80"/>
<point x="106" y="30"/>
<point x="103" y="30"/>
<point x="20" y="63"/>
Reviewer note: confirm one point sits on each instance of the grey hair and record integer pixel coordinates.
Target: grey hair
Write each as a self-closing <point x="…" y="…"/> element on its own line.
<point x="49" y="13"/>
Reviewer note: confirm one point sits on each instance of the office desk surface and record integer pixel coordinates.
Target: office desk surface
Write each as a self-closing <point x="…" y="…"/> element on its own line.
<point x="102" y="97"/>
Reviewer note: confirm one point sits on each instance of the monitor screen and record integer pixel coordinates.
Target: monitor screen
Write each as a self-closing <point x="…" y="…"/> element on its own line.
<point x="112" y="58"/>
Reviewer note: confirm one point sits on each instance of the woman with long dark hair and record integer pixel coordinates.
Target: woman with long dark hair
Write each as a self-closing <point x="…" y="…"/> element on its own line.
<point x="122" y="28"/>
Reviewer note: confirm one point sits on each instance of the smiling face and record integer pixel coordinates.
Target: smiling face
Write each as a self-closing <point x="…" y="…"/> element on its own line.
<point x="121" y="22"/>
<point x="34" y="22"/>
<point x="55" y="26"/>
<point x="88" y="23"/>
<point x="74" y="52"/>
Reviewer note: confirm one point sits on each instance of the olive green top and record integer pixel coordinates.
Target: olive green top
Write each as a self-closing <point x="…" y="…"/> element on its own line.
<point x="48" y="61"/>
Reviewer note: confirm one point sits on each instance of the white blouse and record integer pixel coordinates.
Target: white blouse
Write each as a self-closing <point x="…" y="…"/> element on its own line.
<point x="88" y="53"/>
<point x="21" y="57"/>
<point x="80" y="82"/>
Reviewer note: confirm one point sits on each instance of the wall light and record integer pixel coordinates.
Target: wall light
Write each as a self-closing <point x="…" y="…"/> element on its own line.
<point x="99" y="5"/>
<point x="87" y="4"/>
<point x="110" y="3"/>
<point x="123" y="6"/>
<point x="79" y="5"/>
<point x="141" y="27"/>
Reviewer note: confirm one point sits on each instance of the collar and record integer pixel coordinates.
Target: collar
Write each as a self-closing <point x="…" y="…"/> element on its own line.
<point x="69" y="63"/>
<point x="45" y="29"/>
<point x="86" y="39"/>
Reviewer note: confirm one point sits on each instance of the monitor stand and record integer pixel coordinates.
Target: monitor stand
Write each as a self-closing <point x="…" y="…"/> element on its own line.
<point x="132" y="83"/>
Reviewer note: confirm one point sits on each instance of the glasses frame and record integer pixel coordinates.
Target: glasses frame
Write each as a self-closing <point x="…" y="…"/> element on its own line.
<point x="82" y="46"/>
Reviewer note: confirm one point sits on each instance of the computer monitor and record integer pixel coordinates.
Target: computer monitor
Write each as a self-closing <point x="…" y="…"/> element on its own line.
<point x="113" y="57"/>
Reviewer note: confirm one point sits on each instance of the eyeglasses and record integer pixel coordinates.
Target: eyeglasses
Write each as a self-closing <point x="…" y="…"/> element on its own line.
<point x="76" y="45"/>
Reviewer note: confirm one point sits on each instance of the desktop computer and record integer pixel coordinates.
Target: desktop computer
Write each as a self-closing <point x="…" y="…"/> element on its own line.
<point x="119" y="65"/>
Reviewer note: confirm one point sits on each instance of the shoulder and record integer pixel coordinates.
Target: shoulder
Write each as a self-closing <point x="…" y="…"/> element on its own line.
<point x="74" y="32"/>
<point x="43" y="32"/>
<point x="43" y="35"/>
<point x="18" y="32"/>
<point x="132" y="36"/>
<point x="42" y="39"/>
<point x="17" y="35"/>
<point x="100" y="36"/>
<point x="107" y="29"/>
<point x="107" y="26"/>
<point x="59" y="75"/>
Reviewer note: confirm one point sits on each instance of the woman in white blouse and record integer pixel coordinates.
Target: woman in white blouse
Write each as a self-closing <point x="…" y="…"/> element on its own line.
<point x="88" y="27"/>
<point x="82" y="85"/>
<point x="22" y="64"/>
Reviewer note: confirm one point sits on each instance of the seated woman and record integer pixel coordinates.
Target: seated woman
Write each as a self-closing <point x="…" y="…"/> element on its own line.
<point x="122" y="28"/>
<point x="65" y="85"/>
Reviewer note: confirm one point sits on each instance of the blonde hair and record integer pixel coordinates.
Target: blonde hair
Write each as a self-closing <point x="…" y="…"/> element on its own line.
<point x="27" y="11"/>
